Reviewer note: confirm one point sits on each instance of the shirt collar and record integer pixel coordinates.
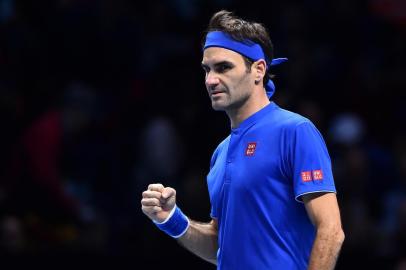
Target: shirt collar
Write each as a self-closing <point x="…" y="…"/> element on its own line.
<point x="252" y="119"/>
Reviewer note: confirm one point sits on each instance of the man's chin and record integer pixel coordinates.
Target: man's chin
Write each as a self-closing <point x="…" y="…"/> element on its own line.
<point x="218" y="106"/>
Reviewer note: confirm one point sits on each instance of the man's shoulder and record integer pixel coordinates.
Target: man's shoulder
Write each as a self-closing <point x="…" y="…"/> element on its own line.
<point x="223" y="143"/>
<point x="288" y="119"/>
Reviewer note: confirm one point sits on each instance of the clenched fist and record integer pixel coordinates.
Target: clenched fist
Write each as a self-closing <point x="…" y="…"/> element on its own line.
<point x="158" y="201"/>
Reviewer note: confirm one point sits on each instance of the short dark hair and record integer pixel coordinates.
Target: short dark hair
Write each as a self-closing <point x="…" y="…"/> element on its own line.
<point x="241" y="30"/>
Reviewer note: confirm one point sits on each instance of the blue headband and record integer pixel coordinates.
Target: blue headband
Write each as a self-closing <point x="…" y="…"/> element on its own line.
<point x="247" y="48"/>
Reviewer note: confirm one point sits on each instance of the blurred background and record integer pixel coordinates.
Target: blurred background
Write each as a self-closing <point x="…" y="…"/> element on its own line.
<point x="99" y="98"/>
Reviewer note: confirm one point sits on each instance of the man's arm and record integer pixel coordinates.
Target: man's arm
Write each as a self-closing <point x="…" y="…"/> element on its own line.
<point x="324" y="213"/>
<point x="200" y="238"/>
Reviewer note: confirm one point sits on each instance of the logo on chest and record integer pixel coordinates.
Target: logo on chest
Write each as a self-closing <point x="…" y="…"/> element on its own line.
<point x="250" y="150"/>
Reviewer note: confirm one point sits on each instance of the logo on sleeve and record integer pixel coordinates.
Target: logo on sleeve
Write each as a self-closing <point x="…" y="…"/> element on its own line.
<point x="250" y="151"/>
<point x="314" y="175"/>
<point x="318" y="175"/>
<point x="306" y="176"/>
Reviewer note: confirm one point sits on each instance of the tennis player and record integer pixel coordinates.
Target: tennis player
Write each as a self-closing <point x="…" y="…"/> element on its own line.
<point x="272" y="193"/>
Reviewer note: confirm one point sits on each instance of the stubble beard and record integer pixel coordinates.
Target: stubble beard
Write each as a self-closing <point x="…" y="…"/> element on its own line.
<point x="228" y="103"/>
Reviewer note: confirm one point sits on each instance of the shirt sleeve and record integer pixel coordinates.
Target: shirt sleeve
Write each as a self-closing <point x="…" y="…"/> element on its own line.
<point x="310" y="162"/>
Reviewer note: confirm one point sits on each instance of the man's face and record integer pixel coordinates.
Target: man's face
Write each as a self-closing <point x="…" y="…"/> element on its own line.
<point x="228" y="82"/>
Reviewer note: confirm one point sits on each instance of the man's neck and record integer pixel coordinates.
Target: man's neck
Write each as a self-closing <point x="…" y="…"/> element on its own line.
<point x="248" y="108"/>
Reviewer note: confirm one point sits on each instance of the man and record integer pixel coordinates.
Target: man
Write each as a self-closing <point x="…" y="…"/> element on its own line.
<point x="273" y="203"/>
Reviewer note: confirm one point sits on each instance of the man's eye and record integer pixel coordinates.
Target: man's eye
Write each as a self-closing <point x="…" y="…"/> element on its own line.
<point x="223" y="68"/>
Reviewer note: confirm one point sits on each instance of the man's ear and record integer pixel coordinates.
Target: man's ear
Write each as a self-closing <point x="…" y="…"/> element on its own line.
<point x="260" y="70"/>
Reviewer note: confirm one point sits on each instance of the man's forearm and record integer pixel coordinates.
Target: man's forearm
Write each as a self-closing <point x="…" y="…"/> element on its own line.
<point x="326" y="249"/>
<point x="201" y="239"/>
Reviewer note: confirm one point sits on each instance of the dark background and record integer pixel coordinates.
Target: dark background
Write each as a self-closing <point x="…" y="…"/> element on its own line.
<point x="99" y="98"/>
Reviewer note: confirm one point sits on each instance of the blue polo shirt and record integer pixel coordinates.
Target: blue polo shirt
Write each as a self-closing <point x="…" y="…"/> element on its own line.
<point x="257" y="177"/>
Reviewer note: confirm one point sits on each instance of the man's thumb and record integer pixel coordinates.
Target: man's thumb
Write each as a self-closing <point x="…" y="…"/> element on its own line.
<point x="168" y="192"/>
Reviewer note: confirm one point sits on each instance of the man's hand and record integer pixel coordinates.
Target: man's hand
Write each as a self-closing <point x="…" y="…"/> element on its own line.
<point x="158" y="201"/>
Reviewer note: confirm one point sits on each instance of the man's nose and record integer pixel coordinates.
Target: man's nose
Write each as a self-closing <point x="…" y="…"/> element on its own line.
<point x="211" y="79"/>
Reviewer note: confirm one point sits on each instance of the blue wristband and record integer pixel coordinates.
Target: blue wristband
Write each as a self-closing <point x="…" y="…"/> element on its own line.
<point x="176" y="225"/>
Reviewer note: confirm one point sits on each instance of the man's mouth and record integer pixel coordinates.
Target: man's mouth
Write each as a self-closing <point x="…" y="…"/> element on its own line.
<point x="216" y="93"/>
